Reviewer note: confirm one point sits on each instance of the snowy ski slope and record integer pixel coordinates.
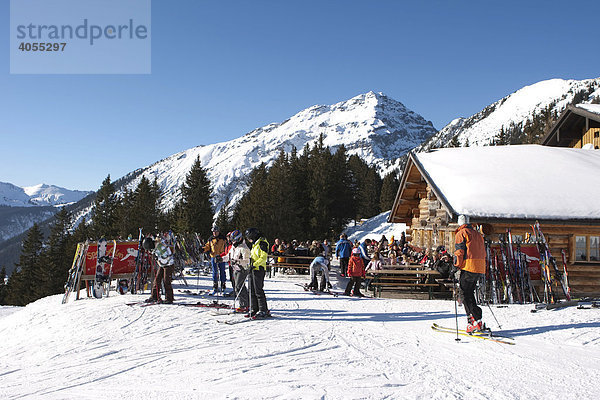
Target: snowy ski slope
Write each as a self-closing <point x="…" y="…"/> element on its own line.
<point x="317" y="347"/>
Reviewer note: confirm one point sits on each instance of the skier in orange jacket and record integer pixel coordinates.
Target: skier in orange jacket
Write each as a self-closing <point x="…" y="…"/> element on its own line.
<point x="469" y="257"/>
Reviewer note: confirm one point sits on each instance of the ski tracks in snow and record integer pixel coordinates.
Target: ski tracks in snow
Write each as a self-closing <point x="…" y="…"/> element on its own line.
<point x="316" y="347"/>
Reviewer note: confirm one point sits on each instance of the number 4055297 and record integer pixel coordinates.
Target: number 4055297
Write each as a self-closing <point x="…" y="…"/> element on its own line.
<point x="25" y="46"/>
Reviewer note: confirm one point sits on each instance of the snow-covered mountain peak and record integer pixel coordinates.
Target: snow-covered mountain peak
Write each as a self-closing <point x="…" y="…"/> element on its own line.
<point x="377" y="128"/>
<point x="38" y="195"/>
<point x="512" y="113"/>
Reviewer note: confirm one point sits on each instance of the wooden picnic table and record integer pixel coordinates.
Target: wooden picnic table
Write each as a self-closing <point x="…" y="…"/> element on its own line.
<point x="401" y="278"/>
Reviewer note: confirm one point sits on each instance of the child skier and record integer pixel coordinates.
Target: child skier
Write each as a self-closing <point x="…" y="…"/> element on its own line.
<point x="356" y="271"/>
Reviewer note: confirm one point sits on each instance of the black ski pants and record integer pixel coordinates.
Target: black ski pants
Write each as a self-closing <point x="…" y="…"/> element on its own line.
<point x="468" y="283"/>
<point x="258" y="300"/>
<point x="354" y="280"/>
<point x="344" y="265"/>
<point x="239" y="283"/>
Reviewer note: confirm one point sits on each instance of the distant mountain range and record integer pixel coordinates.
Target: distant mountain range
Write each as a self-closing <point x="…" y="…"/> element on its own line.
<point x="38" y="195"/>
<point x="21" y="207"/>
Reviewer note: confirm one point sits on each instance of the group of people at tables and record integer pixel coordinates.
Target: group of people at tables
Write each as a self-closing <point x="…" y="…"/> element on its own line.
<point x="357" y="258"/>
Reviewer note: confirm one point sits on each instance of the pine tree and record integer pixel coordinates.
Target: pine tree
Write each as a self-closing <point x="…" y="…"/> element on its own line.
<point x="104" y="214"/>
<point x="367" y="185"/>
<point x="300" y="201"/>
<point x="124" y="214"/>
<point x="3" y="285"/>
<point x="343" y="207"/>
<point x="389" y="189"/>
<point x="454" y="142"/>
<point x="250" y="210"/>
<point x="321" y="194"/>
<point x="24" y="283"/>
<point x="223" y="220"/>
<point x="59" y="254"/>
<point x="196" y="212"/>
<point x="144" y="209"/>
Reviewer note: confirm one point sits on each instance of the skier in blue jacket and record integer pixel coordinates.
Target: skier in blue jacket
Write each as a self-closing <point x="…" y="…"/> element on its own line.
<point x="364" y="254"/>
<point x="343" y="249"/>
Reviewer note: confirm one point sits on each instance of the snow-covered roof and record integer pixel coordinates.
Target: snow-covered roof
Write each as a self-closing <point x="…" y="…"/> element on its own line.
<point x="593" y="108"/>
<point x="524" y="181"/>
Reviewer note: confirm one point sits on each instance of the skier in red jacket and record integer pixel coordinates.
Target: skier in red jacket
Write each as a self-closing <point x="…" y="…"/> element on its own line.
<point x="356" y="271"/>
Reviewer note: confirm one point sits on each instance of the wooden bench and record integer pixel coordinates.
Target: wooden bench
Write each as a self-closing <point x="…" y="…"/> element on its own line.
<point x="302" y="264"/>
<point x="402" y="278"/>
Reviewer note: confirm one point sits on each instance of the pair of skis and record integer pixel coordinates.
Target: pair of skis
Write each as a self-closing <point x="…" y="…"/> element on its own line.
<point x="245" y="318"/>
<point x="102" y="260"/>
<point x="214" y="304"/>
<point x="317" y="292"/>
<point x="547" y="261"/>
<point x="477" y="335"/>
<point x="76" y="270"/>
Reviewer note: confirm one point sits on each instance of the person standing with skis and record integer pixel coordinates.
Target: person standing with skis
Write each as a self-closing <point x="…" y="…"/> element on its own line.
<point x="166" y="266"/>
<point x="239" y="259"/>
<point x="215" y="246"/>
<point x="258" y="267"/>
<point x="356" y="271"/>
<point x="343" y="247"/>
<point x="469" y="257"/>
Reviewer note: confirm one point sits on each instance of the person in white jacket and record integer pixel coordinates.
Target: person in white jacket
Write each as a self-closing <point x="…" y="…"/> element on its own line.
<point x="239" y="259"/>
<point x="320" y="263"/>
<point x="374" y="265"/>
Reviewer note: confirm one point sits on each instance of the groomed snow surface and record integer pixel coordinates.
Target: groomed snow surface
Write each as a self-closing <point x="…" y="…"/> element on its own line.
<point x="317" y="347"/>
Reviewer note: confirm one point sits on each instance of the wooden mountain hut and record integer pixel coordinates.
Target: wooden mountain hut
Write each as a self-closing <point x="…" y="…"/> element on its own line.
<point x="502" y="187"/>
<point x="576" y="127"/>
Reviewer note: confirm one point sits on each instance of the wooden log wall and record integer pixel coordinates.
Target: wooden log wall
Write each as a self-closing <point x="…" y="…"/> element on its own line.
<point x="430" y="227"/>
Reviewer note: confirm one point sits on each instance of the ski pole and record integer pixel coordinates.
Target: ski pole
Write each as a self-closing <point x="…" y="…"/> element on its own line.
<point x="488" y="304"/>
<point x="455" y="308"/>
<point x="239" y="291"/>
<point x="198" y="278"/>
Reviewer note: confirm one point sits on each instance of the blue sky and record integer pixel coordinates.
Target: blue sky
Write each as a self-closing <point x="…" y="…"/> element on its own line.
<point x="221" y="69"/>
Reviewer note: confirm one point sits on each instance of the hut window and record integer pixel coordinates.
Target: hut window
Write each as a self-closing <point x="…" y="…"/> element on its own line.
<point x="580" y="248"/>
<point x="587" y="248"/>
<point x="594" y="248"/>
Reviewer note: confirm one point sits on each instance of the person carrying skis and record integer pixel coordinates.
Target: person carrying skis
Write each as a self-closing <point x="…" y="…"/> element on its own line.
<point x="356" y="271"/>
<point x="469" y="257"/>
<point x="166" y="266"/>
<point x="343" y="248"/>
<point x="258" y="266"/>
<point x="320" y="263"/>
<point x="239" y="259"/>
<point x="215" y="246"/>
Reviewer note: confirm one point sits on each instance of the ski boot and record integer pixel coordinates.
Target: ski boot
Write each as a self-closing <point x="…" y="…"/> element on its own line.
<point x="215" y="289"/>
<point x="262" y="315"/>
<point x="475" y="326"/>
